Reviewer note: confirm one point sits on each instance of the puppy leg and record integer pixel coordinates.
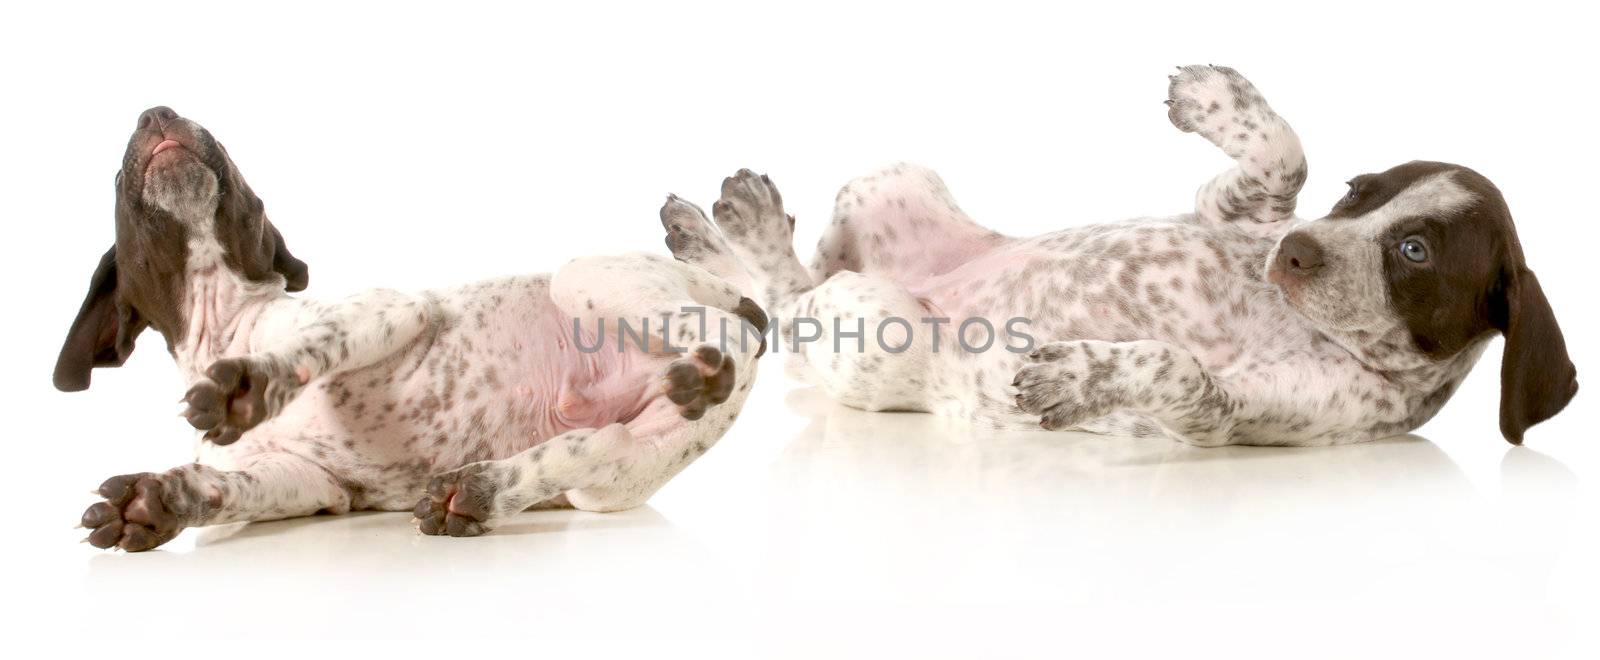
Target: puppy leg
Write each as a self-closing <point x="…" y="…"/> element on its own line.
<point x="709" y="335"/>
<point x="694" y="394"/>
<point x="693" y="239"/>
<point x="900" y="222"/>
<point x="839" y="335"/>
<point x="1226" y="109"/>
<point x="293" y="342"/>
<point x="694" y="304"/>
<point x="864" y="340"/>
<point x="608" y="469"/>
<point x="477" y="497"/>
<point x="761" y="234"/>
<point x="666" y="442"/>
<point x="1072" y="383"/>
<point x="142" y="511"/>
<point x="696" y="408"/>
<point x="1155" y="388"/>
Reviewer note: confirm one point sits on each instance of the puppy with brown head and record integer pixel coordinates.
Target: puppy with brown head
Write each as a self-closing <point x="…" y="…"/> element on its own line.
<point x="463" y="405"/>
<point x="1427" y="252"/>
<point x="182" y="212"/>
<point x="1236" y="323"/>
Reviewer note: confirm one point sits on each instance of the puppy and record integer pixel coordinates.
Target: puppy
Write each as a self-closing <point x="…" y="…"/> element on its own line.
<point x="482" y="400"/>
<point x="1233" y="324"/>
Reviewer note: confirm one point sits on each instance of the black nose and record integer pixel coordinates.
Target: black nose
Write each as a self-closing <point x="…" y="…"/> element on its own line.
<point x="1299" y="255"/>
<point x="157" y="116"/>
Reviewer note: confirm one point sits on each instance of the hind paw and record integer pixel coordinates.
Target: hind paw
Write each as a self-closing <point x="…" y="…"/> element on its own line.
<point x="703" y="379"/>
<point x="751" y="208"/>
<point x="690" y="235"/>
<point x="463" y="501"/>
<point x="693" y="239"/>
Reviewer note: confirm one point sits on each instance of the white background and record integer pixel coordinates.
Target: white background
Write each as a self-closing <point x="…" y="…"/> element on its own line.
<point x="413" y="147"/>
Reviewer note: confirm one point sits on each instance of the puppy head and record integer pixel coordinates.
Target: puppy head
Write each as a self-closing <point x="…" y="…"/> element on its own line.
<point x="180" y="200"/>
<point x="1428" y="252"/>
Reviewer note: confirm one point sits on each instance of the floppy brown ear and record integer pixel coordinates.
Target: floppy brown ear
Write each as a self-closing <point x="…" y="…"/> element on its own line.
<point x="1537" y="378"/>
<point x="104" y="332"/>
<point x="294" y="271"/>
<point x="250" y="237"/>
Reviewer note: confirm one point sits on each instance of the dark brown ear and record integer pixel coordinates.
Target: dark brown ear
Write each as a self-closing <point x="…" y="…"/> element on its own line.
<point x="294" y="271"/>
<point x="104" y="332"/>
<point x="1536" y="377"/>
<point x="251" y="240"/>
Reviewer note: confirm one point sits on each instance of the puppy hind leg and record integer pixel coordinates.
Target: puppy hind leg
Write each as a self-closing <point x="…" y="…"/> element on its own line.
<point x="144" y="510"/>
<point x="694" y="239"/>
<point x="695" y="305"/>
<point x="900" y="222"/>
<point x="607" y="469"/>
<point x="1223" y="107"/>
<point x="750" y="214"/>
<point x="477" y="497"/>
<point x="863" y="340"/>
<point x="665" y="441"/>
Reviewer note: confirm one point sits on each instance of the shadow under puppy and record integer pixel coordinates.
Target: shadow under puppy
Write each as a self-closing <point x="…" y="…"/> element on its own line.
<point x="1236" y="323"/>
<point x="484" y="400"/>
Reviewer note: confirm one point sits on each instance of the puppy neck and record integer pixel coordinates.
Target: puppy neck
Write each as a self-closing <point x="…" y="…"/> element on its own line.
<point x="219" y="306"/>
<point x="1392" y="352"/>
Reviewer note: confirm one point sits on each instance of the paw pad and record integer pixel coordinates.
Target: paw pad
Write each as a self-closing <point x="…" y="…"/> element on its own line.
<point x="235" y="395"/>
<point x="703" y="379"/>
<point x="135" y="515"/>
<point x="1211" y="99"/>
<point x="458" y="503"/>
<point x="751" y="208"/>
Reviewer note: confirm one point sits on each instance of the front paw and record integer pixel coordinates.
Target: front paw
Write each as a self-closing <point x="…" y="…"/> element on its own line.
<point x="463" y="502"/>
<point x="1201" y="99"/>
<point x="236" y="395"/>
<point x="1070" y="382"/>
<point x="140" y="512"/>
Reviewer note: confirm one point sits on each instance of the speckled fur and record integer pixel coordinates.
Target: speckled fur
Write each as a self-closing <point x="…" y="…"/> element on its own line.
<point x="404" y="390"/>
<point x="474" y="399"/>
<point x="1156" y="326"/>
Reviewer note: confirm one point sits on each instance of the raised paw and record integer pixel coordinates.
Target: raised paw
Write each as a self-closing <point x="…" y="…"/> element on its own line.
<point x="236" y="394"/>
<point x="1222" y="106"/>
<point x="752" y="209"/>
<point x="693" y="239"/>
<point x="690" y="236"/>
<point x="1202" y="98"/>
<point x="1071" y="382"/>
<point x="703" y="379"/>
<point x="140" y="512"/>
<point x="463" y="501"/>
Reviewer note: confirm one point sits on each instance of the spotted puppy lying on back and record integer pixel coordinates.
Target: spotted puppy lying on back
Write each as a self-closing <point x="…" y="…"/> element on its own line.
<point x="477" y="399"/>
<point x="1234" y="324"/>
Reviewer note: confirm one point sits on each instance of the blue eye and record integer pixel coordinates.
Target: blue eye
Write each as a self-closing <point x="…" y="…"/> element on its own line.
<point x="1414" y="249"/>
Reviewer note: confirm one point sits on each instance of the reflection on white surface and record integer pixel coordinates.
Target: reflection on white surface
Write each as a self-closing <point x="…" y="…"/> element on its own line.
<point x="887" y="520"/>
<point x="1108" y="517"/>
